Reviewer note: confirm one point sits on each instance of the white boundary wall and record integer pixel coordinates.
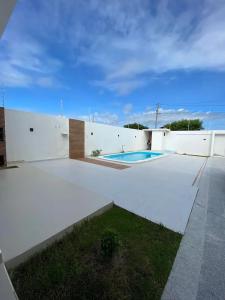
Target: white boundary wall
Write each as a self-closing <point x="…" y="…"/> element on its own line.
<point x="110" y="138"/>
<point x="203" y="143"/>
<point x="189" y="142"/>
<point x="48" y="140"/>
<point x="219" y="143"/>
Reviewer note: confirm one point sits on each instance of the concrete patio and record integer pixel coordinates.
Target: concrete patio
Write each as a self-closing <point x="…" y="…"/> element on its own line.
<point x="40" y="200"/>
<point x="36" y="207"/>
<point x="162" y="190"/>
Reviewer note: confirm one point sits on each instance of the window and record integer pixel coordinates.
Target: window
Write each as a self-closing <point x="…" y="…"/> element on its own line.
<point x="31" y="129"/>
<point x="91" y="133"/>
<point x="1" y="134"/>
<point x="118" y="135"/>
<point x="164" y="134"/>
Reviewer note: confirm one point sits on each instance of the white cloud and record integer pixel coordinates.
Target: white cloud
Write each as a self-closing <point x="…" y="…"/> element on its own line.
<point x="147" y="117"/>
<point x="105" y="118"/>
<point x="48" y="82"/>
<point x="11" y="77"/>
<point x="25" y="62"/>
<point x="121" y="86"/>
<point x="130" y="42"/>
<point x="127" y="108"/>
<point x="169" y="115"/>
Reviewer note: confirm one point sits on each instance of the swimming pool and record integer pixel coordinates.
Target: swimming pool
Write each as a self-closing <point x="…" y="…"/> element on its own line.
<point x="133" y="157"/>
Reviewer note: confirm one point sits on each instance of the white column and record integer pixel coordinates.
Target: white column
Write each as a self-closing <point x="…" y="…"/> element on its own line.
<point x="212" y="143"/>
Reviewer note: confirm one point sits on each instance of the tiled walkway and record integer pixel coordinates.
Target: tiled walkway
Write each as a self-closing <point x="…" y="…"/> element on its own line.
<point x="199" y="268"/>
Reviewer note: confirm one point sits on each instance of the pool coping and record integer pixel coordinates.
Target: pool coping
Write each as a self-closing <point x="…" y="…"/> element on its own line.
<point x="104" y="163"/>
<point x="133" y="162"/>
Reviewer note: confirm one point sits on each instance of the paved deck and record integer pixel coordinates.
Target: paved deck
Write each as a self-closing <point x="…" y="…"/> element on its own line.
<point x="160" y="190"/>
<point x="36" y="206"/>
<point x="199" y="269"/>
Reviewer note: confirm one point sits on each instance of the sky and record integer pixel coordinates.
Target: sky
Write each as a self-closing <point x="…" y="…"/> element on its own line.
<point x="114" y="61"/>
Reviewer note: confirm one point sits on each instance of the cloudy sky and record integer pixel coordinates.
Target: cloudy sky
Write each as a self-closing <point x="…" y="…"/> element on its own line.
<point x="113" y="61"/>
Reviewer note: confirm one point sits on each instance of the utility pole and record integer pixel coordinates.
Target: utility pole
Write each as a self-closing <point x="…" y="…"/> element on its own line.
<point x="156" y="115"/>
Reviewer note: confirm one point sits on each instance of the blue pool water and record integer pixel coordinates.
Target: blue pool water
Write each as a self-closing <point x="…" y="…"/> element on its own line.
<point x="130" y="157"/>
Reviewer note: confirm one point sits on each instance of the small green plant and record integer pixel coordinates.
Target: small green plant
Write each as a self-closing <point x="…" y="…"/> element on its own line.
<point x="109" y="243"/>
<point x="96" y="152"/>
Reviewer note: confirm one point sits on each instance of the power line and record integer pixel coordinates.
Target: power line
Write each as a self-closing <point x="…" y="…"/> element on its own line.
<point x="190" y="112"/>
<point x="175" y="112"/>
<point x="194" y="104"/>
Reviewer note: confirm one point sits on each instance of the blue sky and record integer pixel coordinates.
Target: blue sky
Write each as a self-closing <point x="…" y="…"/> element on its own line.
<point x="113" y="61"/>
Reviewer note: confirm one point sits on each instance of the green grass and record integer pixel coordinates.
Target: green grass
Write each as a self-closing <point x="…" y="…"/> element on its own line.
<point x="73" y="268"/>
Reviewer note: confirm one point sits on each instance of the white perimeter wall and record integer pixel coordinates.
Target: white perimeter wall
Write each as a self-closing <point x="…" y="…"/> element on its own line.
<point x="219" y="144"/>
<point x="106" y="138"/>
<point x="189" y="142"/>
<point x="184" y="142"/>
<point x="50" y="138"/>
<point x="47" y="141"/>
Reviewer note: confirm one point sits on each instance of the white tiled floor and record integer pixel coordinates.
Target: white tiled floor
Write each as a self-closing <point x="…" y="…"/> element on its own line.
<point x="36" y="205"/>
<point x="40" y="199"/>
<point x="160" y="190"/>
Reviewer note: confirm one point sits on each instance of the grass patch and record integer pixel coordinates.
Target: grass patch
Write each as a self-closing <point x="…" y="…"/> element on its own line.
<point x="74" y="267"/>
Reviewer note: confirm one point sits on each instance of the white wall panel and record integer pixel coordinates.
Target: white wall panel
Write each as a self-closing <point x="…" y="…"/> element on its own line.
<point x="189" y="142"/>
<point x="110" y="138"/>
<point x="48" y="139"/>
<point x="219" y="145"/>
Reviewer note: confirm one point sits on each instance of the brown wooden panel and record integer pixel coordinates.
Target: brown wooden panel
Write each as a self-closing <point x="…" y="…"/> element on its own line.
<point x="76" y="139"/>
<point x="2" y="143"/>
